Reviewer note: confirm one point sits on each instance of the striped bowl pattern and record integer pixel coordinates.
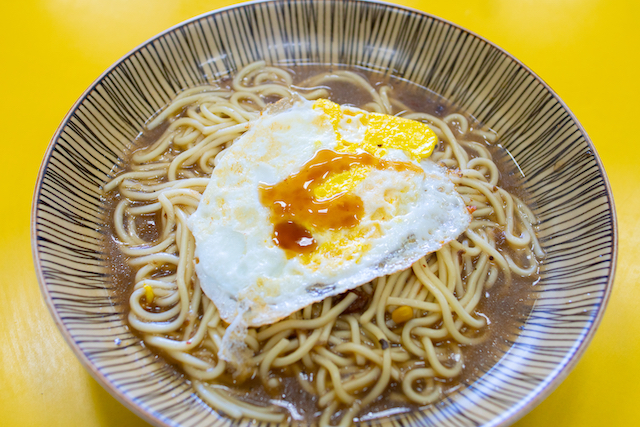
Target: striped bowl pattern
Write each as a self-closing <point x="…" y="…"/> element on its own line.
<point x="570" y="193"/>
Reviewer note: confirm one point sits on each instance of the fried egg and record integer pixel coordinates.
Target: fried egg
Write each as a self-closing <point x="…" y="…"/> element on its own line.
<point x="316" y="199"/>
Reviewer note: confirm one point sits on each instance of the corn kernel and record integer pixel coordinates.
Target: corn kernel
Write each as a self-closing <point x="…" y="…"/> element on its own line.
<point x="148" y="293"/>
<point x="402" y="314"/>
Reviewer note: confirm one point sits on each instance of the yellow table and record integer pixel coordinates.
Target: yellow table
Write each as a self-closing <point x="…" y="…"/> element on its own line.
<point x="51" y="51"/>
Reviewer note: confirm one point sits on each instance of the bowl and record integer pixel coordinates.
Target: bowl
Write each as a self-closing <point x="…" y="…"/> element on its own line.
<point x="564" y="176"/>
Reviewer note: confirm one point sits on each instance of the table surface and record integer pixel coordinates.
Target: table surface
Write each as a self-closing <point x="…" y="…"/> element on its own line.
<point x="52" y="50"/>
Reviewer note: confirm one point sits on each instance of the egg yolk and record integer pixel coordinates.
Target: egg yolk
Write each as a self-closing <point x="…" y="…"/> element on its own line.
<point x="383" y="132"/>
<point x="320" y="196"/>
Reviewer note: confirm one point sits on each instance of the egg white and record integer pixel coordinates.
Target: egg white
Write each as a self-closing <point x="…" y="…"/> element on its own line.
<point x="239" y="266"/>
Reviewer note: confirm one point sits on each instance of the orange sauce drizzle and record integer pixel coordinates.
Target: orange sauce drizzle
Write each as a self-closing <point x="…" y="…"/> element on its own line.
<point x="296" y="211"/>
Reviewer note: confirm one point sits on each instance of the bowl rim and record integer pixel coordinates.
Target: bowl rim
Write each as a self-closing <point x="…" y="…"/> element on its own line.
<point x="152" y="417"/>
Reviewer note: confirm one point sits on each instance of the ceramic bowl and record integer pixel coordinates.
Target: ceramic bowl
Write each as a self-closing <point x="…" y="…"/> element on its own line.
<point x="564" y="176"/>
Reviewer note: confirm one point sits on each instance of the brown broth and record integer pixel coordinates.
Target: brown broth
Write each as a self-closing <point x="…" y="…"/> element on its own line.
<point x="506" y="305"/>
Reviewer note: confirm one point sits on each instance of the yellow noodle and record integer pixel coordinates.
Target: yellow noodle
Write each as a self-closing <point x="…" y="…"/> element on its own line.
<point x="345" y="359"/>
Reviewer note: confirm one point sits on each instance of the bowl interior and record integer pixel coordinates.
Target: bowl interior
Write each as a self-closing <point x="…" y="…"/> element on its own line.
<point x="570" y="194"/>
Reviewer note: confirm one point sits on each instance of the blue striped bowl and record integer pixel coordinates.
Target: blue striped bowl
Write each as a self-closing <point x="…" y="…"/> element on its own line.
<point x="565" y="178"/>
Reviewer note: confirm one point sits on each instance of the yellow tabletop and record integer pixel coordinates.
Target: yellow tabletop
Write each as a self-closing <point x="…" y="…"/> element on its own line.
<point x="51" y="51"/>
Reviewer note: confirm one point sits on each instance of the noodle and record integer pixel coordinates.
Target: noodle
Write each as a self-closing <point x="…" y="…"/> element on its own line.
<point x="345" y="359"/>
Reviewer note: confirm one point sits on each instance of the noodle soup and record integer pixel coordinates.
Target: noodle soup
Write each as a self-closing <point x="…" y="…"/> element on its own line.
<point x="393" y="344"/>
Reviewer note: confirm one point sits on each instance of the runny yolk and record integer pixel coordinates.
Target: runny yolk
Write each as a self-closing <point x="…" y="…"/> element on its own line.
<point x="298" y="208"/>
